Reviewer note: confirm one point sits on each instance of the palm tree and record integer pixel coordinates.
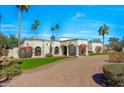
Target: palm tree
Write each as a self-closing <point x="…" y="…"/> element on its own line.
<point x="103" y="30"/>
<point x="0" y="21"/>
<point x="21" y="9"/>
<point x="35" y="25"/>
<point x="57" y="27"/>
<point x="52" y="29"/>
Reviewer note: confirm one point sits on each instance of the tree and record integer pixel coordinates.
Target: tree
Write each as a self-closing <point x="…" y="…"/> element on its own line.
<point x="115" y="44"/>
<point x="57" y="28"/>
<point x="103" y="30"/>
<point x="52" y="37"/>
<point x="35" y="25"/>
<point x="12" y="41"/>
<point x="21" y="9"/>
<point x="113" y="40"/>
<point x="96" y="40"/>
<point x="0" y="21"/>
<point x="122" y="41"/>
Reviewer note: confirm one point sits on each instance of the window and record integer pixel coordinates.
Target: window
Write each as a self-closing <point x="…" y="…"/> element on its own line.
<point x="56" y="51"/>
<point x="38" y="51"/>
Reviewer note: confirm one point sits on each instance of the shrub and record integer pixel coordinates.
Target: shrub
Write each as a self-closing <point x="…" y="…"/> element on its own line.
<point x="10" y="69"/>
<point x="82" y="48"/>
<point x="90" y="52"/>
<point x="114" y="75"/>
<point x="3" y="52"/>
<point x="116" y="57"/>
<point x="49" y="55"/>
<point x="117" y="47"/>
<point x="25" y="52"/>
<point x="98" y="49"/>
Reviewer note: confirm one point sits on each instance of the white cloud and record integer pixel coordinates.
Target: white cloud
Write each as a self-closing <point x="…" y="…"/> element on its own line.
<point x="68" y="35"/>
<point x="78" y="15"/>
<point x="7" y="25"/>
<point x="44" y="35"/>
<point x="85" y="32"/>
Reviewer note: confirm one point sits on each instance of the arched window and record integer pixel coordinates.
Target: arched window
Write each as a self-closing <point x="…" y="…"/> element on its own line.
<point x="38" y="51"/>
<point x="56" y="51"/>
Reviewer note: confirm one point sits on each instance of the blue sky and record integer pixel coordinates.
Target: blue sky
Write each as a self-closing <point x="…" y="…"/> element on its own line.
<point x="75" y="21"/>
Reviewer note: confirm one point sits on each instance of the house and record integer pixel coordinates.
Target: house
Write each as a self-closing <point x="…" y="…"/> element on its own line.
<point x="64" y="46"/>
<point x="92" y="46"/>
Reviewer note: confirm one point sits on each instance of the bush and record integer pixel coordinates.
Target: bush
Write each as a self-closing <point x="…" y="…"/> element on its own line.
<point x="116" y="57"/>
<point x="90" y="52"/>
<point x="98" y="49"/>
<point x="49" y="55"/>
<point x="117" y="47"/>
<point x="114" y="75"/>
<point x="3" y="52"/>
<point x="10" y="69"/>
<point x="25" y="52"/>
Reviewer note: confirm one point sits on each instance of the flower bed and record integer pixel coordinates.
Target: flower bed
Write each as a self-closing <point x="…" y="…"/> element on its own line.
<point x="25" y="52"/>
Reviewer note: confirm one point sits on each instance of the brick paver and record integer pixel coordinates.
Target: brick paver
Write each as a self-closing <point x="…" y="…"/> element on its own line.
<point x="75" y="72"/>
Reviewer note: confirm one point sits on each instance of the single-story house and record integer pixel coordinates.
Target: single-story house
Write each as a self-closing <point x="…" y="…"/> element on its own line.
<point x="64" y="46"/>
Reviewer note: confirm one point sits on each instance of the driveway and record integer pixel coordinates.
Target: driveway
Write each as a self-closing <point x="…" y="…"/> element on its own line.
<point x="72" y="72"/>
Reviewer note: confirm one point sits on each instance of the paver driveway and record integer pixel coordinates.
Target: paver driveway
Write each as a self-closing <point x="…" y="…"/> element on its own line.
<point x="72" y="72"/>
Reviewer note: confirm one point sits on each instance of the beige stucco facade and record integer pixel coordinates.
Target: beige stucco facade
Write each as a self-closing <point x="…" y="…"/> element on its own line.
<point x="68" y="47"/>
<point x="92" y="46"/>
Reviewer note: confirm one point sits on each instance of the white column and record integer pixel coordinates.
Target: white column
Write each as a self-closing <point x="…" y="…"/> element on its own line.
<point x="86" y="50"/>
<point x="77" y="51"/>
<point x="33" y="55"/>
<point x="67" y="51"/>
<point x="53" y="50"/>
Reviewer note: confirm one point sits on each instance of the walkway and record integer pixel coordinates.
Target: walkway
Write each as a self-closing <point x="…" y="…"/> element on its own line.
<point x="74" y="72"/>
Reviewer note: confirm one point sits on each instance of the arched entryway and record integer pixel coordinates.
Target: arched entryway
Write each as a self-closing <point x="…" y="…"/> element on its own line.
<point x="82" y="49"/>
<point x="72" y="50"/>
<point x="38" y="51"/>
<point x="64" y="49"/>
<point x="56" y="50"/>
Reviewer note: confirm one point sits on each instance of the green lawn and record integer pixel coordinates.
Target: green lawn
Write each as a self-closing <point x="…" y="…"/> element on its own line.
<point x="36" y="62"/>
<point x="93" y="54"/>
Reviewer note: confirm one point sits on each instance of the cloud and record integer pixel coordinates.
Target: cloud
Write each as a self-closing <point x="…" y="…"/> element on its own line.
<point x="79" y="15"/>
<point x="68" y="35"/>
<point x="7" y="25"/>
<point x="44" y="35"/>
<point x="85" y="32"/>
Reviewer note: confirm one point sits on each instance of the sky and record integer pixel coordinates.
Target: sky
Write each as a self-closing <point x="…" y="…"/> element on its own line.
<point x="75" y="21"/>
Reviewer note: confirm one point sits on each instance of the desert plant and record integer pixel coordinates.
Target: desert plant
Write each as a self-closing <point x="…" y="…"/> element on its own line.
<point x="10" y="69"/>
<point x="49" y="55"/>
<point x="116" y="57"/>
<point x="114" y="75"/>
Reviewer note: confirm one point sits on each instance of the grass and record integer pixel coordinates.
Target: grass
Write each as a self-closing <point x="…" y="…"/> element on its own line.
<point x="114" y="67"/>
<point x="36" y="62"/>
<point x="93" y="54"/>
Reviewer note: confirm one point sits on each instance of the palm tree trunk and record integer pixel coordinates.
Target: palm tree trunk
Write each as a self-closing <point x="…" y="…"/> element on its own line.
<point x="103" y="42"/>
<point x="19" y="28"/>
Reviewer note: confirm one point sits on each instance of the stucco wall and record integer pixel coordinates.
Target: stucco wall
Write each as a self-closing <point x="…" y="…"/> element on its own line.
<point x="92" y="46"/>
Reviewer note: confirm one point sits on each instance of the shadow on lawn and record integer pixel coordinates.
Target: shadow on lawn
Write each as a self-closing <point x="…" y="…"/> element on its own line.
<point x="99" y="79"/>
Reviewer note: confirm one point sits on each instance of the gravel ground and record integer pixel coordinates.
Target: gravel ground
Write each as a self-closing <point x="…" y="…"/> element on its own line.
<point x="72" y="72"/>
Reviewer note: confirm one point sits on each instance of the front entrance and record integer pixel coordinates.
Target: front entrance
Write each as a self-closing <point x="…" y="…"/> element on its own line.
<point x="72" y="50"/>
<point x="64" y="50"/>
